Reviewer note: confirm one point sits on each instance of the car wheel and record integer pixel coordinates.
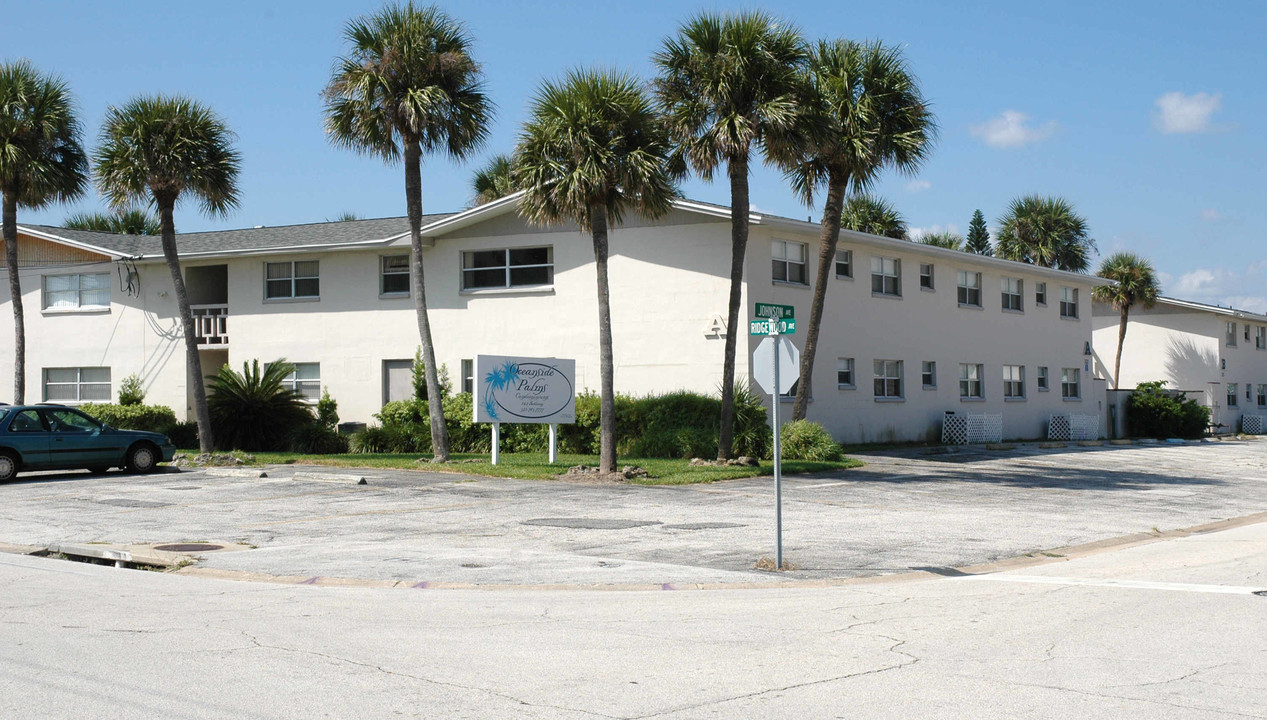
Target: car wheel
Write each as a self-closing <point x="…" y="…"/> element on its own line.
<point x="142" y="458"/>
<point x="8" y="466"/>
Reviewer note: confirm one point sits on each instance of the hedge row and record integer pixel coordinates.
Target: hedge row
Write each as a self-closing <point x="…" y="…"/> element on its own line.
<point x="150" y="418"/>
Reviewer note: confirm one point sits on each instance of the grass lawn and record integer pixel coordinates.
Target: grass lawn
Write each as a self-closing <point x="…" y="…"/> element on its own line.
<point x="531" y="466"/>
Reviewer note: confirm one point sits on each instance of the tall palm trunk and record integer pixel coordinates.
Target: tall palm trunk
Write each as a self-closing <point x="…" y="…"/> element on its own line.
<point x="15" y="295"/>
<point x="738" y="170"/>
<point x="607" y="369"/>
<point x="413" y="199"/>
<point x="193" y="362"/>
<point x="1121" y="341"/>
<point x="828" y="240"/>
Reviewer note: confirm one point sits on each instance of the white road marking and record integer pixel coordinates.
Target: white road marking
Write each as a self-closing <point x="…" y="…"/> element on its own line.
<point x="1104" y="582"/>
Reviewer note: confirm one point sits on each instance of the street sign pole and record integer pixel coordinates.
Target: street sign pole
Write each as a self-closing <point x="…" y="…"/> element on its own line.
<point x="778" y="454"/>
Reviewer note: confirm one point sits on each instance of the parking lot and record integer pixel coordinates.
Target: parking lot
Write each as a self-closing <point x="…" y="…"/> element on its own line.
<point x="905" y="510"/>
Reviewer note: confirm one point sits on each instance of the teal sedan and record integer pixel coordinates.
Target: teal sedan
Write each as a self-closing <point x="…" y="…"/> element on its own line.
<point x="55" y="437"/>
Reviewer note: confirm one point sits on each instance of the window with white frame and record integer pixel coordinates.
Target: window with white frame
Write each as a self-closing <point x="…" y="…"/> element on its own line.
<point x="844" y="264"/>
<point x="292" y="280"/>
<point x="1070" y="387"/>
<point x="1014" y="381"/>
<point x="888" y="379"/>
<point x="1262" y="396"/>
<point x="1069" y="302"/>
<point x="928" y="374"/>
<point x="508" y="268"/>
<point x="788" y="260"/>
<point x="305" y="379"/>
<point x="79" y="290"/>
<point x="468" y="376"/>
<point x="77" y="384"/>
<point x="1231" y="394"/>
<point x="970" y="381"/>
<point x="1012" y="293"/>
<point x="1260" y="337"/>
<point x="394" y="275"/>
<point x="970" y="288"/>
<point x="1042" y="382"/>
<point x="844" y="373"/>
<point x="886" y="276"/>
<point x="925" y="276"/>
<point x="1230" y="334"/>
<point x="1040" y="294"/>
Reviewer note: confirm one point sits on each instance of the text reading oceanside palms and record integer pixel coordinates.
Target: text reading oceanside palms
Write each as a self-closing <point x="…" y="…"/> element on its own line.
<point x="525" y="390"/>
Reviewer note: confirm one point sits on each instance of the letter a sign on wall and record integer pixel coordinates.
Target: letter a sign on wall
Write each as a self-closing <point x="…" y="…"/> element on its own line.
<point x="524" y="390"/>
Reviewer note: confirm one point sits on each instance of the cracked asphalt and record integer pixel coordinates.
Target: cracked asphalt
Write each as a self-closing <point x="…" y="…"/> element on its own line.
<point x="904" y="511"/>
<point x="1169" y="629"/>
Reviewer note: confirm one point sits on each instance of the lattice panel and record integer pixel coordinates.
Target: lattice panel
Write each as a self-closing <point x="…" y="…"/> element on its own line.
<point x="985" y="428"/>
<point x="1084" y="427"/>
<point x="1058" y="427"/>
<point x="1252" y="424"/>
<point x="954" y="430"/>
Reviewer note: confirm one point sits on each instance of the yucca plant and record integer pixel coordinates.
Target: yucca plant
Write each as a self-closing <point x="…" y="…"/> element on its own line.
<point x="254" y="410"/>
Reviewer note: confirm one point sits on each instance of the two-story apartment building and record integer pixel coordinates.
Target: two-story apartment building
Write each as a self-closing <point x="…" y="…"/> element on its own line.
<point x="1216" y="355"/>
<point x="910" y="331"/>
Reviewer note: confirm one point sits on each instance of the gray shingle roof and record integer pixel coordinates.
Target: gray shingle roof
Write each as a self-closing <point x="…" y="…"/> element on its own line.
<point x="261" y="238"/>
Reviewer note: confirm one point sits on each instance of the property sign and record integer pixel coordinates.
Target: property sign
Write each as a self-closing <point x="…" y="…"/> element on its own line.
<point x="524" y="390"/>
<point x="762" y="327"/>
<point x="778" y="312"/>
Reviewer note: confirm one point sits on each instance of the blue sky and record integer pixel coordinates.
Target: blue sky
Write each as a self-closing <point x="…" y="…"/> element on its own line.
<point x="1147" y="116"/>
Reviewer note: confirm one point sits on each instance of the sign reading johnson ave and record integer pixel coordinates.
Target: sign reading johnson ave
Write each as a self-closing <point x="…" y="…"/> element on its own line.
<point x="524" y="390"/>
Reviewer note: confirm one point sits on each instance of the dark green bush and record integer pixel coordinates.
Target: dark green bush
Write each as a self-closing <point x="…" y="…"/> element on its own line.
<point x="1152" y="411"/>
<point x="389" y="440"/>
<point x="131" y="391"/>
<point x="327" y="411"/>
<point x="183" y="435"/>
<point x="805" y="440"/>
<point x="151" y="418"/>
<point x="254" y="410"/>
<point x="316" y="439"/>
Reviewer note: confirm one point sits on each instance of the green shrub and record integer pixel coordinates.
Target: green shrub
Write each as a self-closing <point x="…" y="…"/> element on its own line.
<point x="805" y="440"/>
<point x="317" y="439"/>
<point x="151" y="418"/>
<point x="327" y="410"/>
<point x="254" y="410"/>
<point x="1152" y="411"/>
<point x="130" y="390"/>
<point x="183" y="434"/>
<point x="753" y="435"/>
<point x="389" y="440"/>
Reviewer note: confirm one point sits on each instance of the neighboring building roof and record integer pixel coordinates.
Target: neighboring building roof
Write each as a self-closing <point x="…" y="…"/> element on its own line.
<point x="382" y="231"/>
<point x="1214" y="309"/>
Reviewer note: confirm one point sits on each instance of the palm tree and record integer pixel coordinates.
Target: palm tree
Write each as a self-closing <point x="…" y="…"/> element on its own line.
<point x="1134" y="283"/>
<point x="593" y="148"/>
<point x="133" y="221"/>
<point x="873" y="215"/>
<point x="409" y="86"/>
<point x="869" y="114"/>
<point x="158" y="150"/>
<point x="948" y="240"/>
<point x="493" y="181"/>
<point x="42" y="160"/>
<point x="727" y="83"/>
<point x="1045" y="231"/>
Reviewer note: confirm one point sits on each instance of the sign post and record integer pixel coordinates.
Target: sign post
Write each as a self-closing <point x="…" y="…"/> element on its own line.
<point x="776" y="366"/>
<point x="524" y="390"/>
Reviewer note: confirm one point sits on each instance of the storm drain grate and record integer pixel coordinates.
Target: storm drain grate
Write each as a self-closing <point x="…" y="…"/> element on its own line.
<point x="1261" y="593"/>
<point x="704" y="526"/>
<point x="590" y="523"/>
<point x="188" y="547"/>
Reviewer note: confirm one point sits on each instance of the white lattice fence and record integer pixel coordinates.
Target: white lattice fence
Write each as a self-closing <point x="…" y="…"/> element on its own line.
<point x="1252" y="424"/>
<point x="1073" y="427"/>
<point x="1058" y="427"/>
<point x="971" y="429"/>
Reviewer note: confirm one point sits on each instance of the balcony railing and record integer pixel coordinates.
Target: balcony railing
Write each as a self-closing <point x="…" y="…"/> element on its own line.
<point x="211" y="324"/>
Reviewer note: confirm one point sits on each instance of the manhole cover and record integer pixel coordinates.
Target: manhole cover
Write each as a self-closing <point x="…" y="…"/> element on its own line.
<point x="1261" y="593"/>
<point x="188" y="547"/>
<point x="473" y="565"/>
<point x="185" y="487"/>
<point x="704" y="526"/>
<point x="590" y="523"/>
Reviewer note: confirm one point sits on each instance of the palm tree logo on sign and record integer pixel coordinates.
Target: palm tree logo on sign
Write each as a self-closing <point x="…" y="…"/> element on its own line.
<point x="524" y="390"/>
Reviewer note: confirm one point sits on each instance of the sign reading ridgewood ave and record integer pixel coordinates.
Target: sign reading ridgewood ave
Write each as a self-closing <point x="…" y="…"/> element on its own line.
<point x="524" y="390"/>
<point x="762" y="327"/>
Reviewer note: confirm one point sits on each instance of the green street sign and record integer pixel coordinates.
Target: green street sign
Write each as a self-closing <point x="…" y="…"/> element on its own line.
<point x="762" y="327"/>
<point x="778" y="312"/>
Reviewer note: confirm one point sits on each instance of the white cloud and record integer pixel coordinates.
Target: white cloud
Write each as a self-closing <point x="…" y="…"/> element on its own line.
<point x="1211" y="215"/>
<point x="1012" y="129"/>
<point x="915" y="233"/>
<point x="1240" y="289"/>
<point x="918" y="185"/>
<point x="1179" y="113"/>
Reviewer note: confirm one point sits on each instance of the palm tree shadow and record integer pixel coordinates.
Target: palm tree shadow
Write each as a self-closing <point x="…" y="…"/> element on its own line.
<point x="1188" y="365"/>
